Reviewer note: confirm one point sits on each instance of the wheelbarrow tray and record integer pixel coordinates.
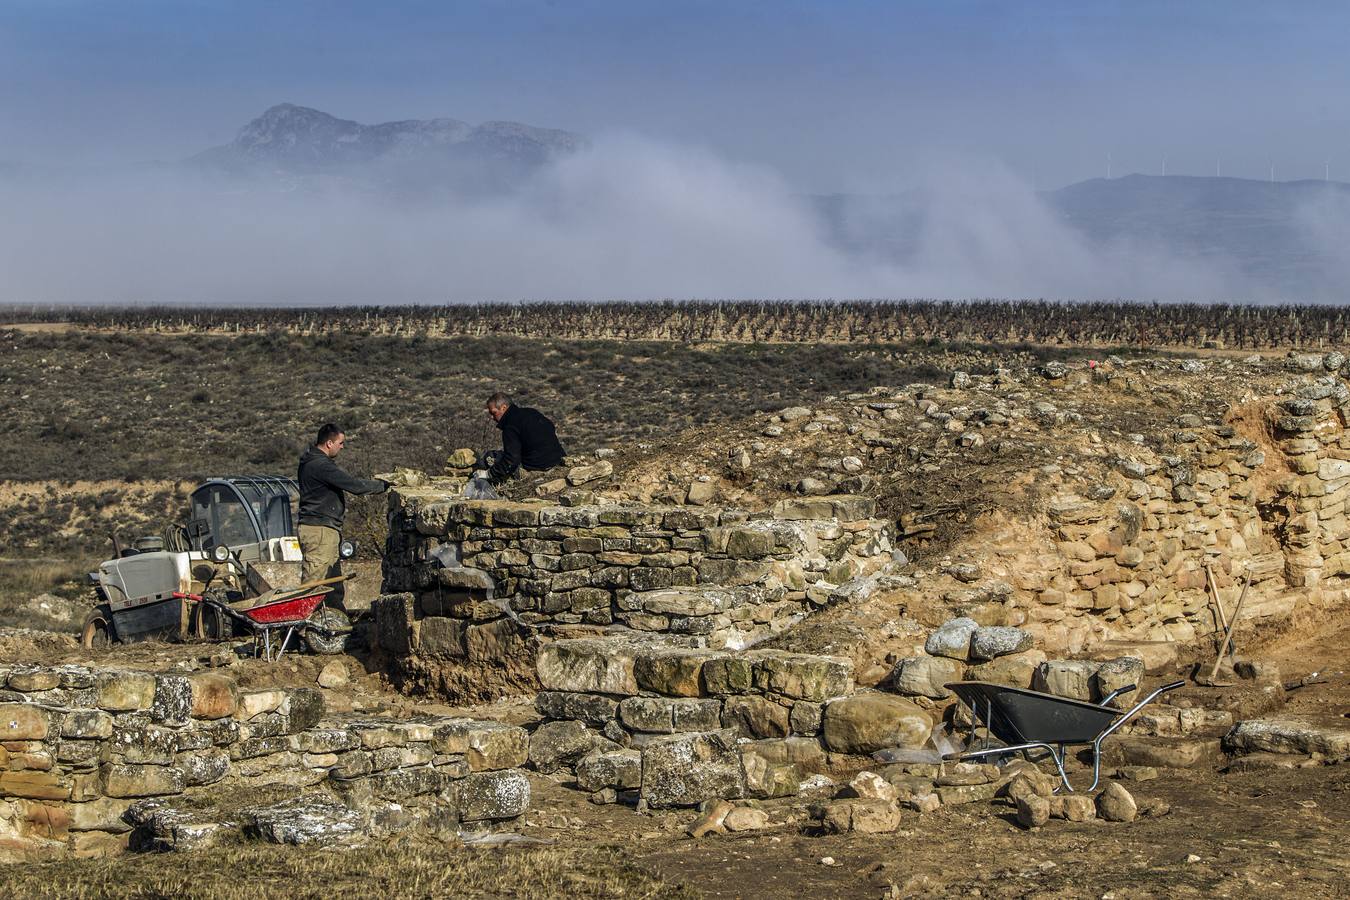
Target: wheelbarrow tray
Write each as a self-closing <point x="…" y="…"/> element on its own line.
<point x="1017" y="715"/>
<point x="285" y="609"/>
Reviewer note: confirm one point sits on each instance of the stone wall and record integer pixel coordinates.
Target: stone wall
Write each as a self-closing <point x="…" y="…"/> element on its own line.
<point x="80" y="747"/>
<point x="473" y="580"/>
<point x="675" y="726"/>
<point x="1124" y="556"/>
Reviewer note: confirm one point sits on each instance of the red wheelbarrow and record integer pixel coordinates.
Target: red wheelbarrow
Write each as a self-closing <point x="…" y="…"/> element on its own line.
<point x="1026" y="720"/>
<point x="284" y="614"/>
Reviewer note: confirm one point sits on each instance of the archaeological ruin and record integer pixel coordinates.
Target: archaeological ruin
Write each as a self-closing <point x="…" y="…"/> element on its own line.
<point x="756" y="620"/>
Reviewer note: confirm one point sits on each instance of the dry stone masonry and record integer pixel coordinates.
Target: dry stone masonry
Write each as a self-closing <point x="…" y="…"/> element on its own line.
<point x="88" y="756"/>
<point x="468" y="578"/>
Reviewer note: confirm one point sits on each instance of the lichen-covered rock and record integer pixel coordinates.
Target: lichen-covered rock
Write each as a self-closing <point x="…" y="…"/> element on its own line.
<point x="952" y="639"/>
<point x="620" y="769"/>
<point x="993" y="641"/>
<point x="686" y="769"/>
<point x="802" y="676"/>
<point x="592" y="709"/>
<point x="925" y="676"/>
<point x="867" y="722"/>
<point x="305" y="820"/>
<point x="493" y="795"/>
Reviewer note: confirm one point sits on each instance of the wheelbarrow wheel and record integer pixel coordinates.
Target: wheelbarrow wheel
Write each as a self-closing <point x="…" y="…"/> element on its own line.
<point x="327" y="631"/>
<point x="210" y="624"/>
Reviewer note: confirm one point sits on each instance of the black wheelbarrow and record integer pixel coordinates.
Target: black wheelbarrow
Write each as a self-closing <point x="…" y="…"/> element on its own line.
<point x="1027" y="720"/>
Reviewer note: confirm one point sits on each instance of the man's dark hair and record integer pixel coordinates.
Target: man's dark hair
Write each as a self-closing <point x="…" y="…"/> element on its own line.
<point x="327" y="432"/>
<point x="499" y="399"/>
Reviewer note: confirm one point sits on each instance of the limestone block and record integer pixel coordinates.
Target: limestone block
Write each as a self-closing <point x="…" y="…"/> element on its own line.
<point x="862" y="816"/>
<point x="867" y="722"/>
<point x="125" y="691"/>
<point x="142" y="781"/>
<point x="557" y="744"/>
<point x="588" y="667"/>
<point x="801" y="676"/>
<point x="21" y="722"/>
<point x="725" y="675"/>
<point x="619" y="769"/>
<point x="755" y="717"/>
<point x="924" y="676"/>
<point x="592" y="709"/>
<point x="84" y="723"/>
<point x="952" y="639"/>
<point x="674" y="672"/>
<point x="486" y="745"/>
<point x="443" y="637"/>
<point x="1070" y="678"/>
<point x="1118" y="673"/>
<point x="687" y="769"/>
<point x="35" y="785"/>
<point x="1017" y="669"/>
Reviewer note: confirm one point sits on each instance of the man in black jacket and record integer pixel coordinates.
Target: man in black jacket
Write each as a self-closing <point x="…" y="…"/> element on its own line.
<point x="323" y="504"/>
<point x="529" y="440"/>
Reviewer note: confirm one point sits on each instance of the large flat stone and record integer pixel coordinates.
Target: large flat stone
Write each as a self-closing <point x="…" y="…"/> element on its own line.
<point x="865" y="723"/>
<point x="1291" y="734"/>
<point x="588" y="666"/>
<point x="487" y="746"/>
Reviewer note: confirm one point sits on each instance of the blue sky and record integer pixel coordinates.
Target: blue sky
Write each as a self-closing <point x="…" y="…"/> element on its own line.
<point x="834" y="96"/>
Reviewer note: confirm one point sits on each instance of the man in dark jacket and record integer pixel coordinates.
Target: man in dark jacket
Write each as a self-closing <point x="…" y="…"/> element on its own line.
<point x="323" y="503"/>
<point x="529" y="440"/>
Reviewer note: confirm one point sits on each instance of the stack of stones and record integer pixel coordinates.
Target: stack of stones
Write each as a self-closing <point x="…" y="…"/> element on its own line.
<point x="80" y="746"/>
<point x="673" y="725"/>
<point x="1126" y="558"/>
<point x="724" y="577"/>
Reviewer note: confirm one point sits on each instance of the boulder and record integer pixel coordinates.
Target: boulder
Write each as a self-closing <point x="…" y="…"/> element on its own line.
<point x="557" y="744"/>
<point x="599" y="769"/>
<point x="1116" y="805"/>
<point x="493" y="795"/>
<point x="952" y="639"/>
<point x="867" y="722"/>
<point x="993" y="641"/>
<point x="745" y="818"/>
<point x="924" y="676"/>
<point x="333" y="675"/>
<point x="687" y="769"/>
<point x="802" y="676"/>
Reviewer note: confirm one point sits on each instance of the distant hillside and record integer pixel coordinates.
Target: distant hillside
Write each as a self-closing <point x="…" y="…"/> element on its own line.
<point x="415" y="153"/>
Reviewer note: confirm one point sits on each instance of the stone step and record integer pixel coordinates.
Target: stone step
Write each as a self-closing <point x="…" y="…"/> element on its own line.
<point x="1291" y="734"/>
<point x="1162" y="752"/>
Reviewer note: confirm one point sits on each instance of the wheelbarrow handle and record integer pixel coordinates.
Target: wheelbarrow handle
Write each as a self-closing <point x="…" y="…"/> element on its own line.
<point x="1138" y="706"/>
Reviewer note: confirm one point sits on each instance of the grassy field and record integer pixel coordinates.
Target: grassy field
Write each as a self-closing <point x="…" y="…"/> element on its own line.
<point x="411" y="867"/>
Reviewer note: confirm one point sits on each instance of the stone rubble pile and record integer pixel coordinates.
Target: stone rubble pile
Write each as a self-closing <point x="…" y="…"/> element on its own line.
<point x="80" y="746"/>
